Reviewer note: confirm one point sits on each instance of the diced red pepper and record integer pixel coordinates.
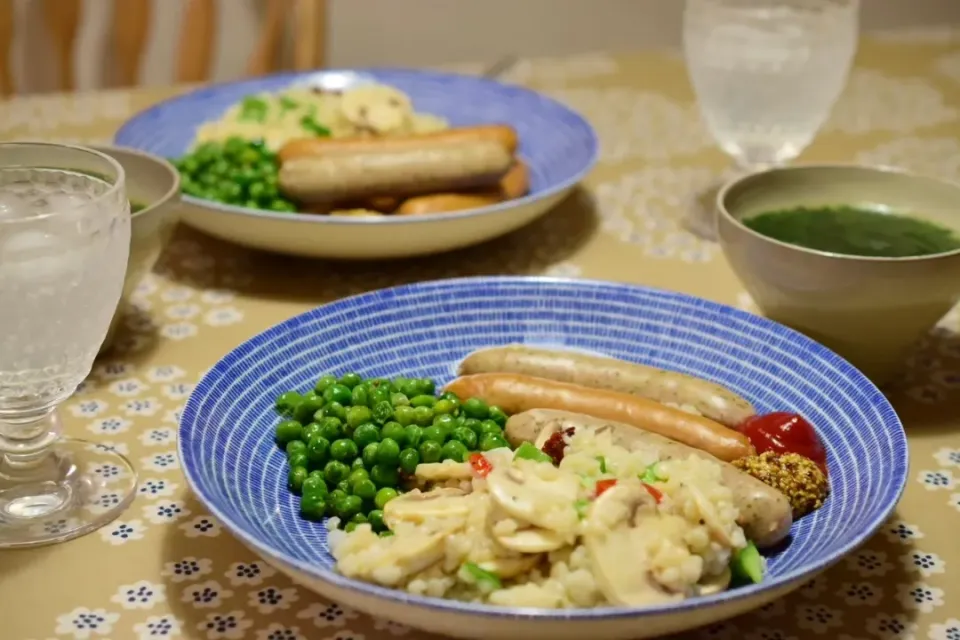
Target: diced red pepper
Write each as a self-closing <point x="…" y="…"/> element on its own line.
<point x="603" y="485"/>
<point x="480" y="465"/>
<point x="653" y="491"/>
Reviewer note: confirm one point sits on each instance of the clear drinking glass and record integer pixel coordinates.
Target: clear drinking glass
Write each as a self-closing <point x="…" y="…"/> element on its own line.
<point x="64" y="243"/>
<point x="766" y="73"/>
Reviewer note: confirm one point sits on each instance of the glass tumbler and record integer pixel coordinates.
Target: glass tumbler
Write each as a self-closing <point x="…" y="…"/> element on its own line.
<point x="64" y="244"/>
<point x="766" y="73"/>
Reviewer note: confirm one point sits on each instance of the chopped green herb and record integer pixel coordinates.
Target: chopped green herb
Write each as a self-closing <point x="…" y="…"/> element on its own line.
<point x="747" y="565"/>
<point x="310" y="124"/>
<point x="581" y="507"/>
<point x="253" y="108"/>
<point x="652" y="474"/>
<point x="527" y="451"/>
<point x="486" y="580"/>
<point x="603" y="464"/>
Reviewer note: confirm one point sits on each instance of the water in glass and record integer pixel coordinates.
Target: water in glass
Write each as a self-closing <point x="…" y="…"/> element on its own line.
<point x="64" y="243"/>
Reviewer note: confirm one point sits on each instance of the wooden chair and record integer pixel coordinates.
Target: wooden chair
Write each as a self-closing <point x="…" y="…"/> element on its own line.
<point x="131" y="23"/>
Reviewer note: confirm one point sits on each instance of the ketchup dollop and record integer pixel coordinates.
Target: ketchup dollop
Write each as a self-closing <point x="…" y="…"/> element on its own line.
<point x="782" y="432"/>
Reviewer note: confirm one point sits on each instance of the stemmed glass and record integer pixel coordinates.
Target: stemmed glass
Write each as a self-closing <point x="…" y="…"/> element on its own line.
<point x="64" y="243"/>
<point x="766" y="74"/>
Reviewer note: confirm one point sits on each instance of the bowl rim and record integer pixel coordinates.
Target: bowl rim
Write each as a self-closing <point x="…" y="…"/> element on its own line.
<point x="732" y="184"/>
<point x="170" y="194"/>
<point x="308" y="218"/>
<point x="403" y="598"/>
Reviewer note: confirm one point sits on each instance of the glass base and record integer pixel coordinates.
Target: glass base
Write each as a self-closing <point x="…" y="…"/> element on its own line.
<point x="77" y="488"/>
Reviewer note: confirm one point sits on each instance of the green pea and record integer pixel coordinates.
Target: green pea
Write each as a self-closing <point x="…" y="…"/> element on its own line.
<point x="350" y="380"/>
<point x="451" y="396"/>
<point x="318" y="451"/>
<point x="386" y="534"/>
<point x="313" y="507"/>
<point x="426" y="387"/>
<point x="388" y="453"/>
<point x="311" y="404"/>
<point x="369" y="455"/>
<point x="409" y="388"/>
<point x="350" y="527"/>
<point x="380" y="395"/>
<point x="300" y="459"/>
<point x="466" y="436"/>
<point x="399" y="400"/>
<point x="409" y="459"/>
<point x="295" y="446"/>
<point x="489" y="442"/>
<point x="337" y="393"/>
<point x="430" y="451"/>
<point x="476" y="408"/>
<point x="375" y="518"/>
<point x="358" y="464"/>
<point x="385" y="476"/>
<point x="357" y="474"/>
<point x="336" y="496"/>
<point x="345" y="486"/>
<point x="434" y="434"/>
<point x="491" y="428"/>
<point x="384" y="495"/>
<point x="358" y="519"/>
<point x="423" y="401"/>
<point x="366" y="434"/>
<point x="423" y="416"/>
<point x="446" y="422"/>
<point x="295" y="478"/>
<point x="335" y="471"/>
<point x="444" y="407"/>
<point x="311" y="431"/>
<point x="474" y="425"/>
<point x="382" y="412"/>
<point x="349" y="506"/>
<point x="399" y="381"/>
<point x="376" y="383"/>
<point x="314" y="485"/>
<point x="343" y="450"/>
<point x="335" y="410"/>
<point x="405" y="414"/>
<point x="454" y="450"/>
<point x="288" y="401"/>
<point x="365" y="488"/>
<point x="498" y="415"/>
<point x="317" y="473"/>
<point x="394" y="431"/>
<point x="331" y="428"/>
<point x="357" y="415"/>
<point x="412" y="435"/>
<point x="360" y="396"/>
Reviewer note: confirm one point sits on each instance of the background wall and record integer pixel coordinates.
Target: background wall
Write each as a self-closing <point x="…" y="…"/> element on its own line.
<point x="414" y="32"/>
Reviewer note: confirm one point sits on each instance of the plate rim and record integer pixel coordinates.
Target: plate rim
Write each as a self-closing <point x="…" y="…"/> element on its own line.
<point x="307" y="218"/>
<point x="190" y="412"/>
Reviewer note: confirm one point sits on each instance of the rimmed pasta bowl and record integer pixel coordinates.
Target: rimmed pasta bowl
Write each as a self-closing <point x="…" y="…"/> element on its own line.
<point x="234" y="467"/>
<point x="557" y="144"/>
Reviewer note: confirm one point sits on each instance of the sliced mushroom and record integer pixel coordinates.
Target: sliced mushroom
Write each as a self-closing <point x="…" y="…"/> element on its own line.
<point x="530" y="498"/>
<point x="417" y="506"/>
<point x="611" y="539"/>
<point x="714" y="584"/>
<point x="443" y="471"/>
<point x="711" y="519"/>
<point x="408" y="555"/>
<point x="532" y="540"/>
<point x="506" y="568"/>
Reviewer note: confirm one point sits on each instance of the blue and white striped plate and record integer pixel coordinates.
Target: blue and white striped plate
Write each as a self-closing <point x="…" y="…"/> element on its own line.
<point x="234" y="467"/>
<point x="559" y="146"/>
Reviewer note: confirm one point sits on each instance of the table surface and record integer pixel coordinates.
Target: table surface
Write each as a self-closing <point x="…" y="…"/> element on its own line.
<point x="166" y="568"/>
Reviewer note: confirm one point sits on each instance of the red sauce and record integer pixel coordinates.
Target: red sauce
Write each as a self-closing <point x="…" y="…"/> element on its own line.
<point x="555" y="445"/>
<point x="783" y="432"/>
<point x="480" y="465"/>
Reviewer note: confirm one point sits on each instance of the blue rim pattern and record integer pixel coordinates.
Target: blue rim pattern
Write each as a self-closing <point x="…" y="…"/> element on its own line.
<point x="559" y="146"/>
<point x="233" y="466"/>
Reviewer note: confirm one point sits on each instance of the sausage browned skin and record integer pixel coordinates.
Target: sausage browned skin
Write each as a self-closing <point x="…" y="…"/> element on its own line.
<point x="765" y="513"/>
<point x="514" y="184"/>
<point x="708" y="398"/>
<point x="366" y="174"/>
<point x="502" y="135"/>
<point x="516" y="393"/>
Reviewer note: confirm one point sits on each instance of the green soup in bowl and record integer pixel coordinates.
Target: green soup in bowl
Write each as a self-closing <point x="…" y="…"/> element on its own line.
<point x="865" y="260"/>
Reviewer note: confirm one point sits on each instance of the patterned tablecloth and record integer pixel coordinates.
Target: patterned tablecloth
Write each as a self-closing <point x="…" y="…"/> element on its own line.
<point x="167" y="569"/>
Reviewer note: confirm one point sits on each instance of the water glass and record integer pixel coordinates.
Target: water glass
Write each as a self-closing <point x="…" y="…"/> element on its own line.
<point x="766" y="73"/>
<point x="64" y="244"/>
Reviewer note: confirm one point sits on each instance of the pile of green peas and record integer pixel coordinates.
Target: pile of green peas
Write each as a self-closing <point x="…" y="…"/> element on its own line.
<point x="351" y="443"/>
<point x="238" y="172"/>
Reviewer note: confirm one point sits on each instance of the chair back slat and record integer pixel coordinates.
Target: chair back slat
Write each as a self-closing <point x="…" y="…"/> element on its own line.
<point x="265" y="55"/>
<point x="62" y="18"/>
<point x="6" y="44"/>
<point x="197" y="34"/>
<point x="128" y="34"/>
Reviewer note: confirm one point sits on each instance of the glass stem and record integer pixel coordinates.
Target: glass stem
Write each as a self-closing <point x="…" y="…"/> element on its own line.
<point x="27" y="440"/>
